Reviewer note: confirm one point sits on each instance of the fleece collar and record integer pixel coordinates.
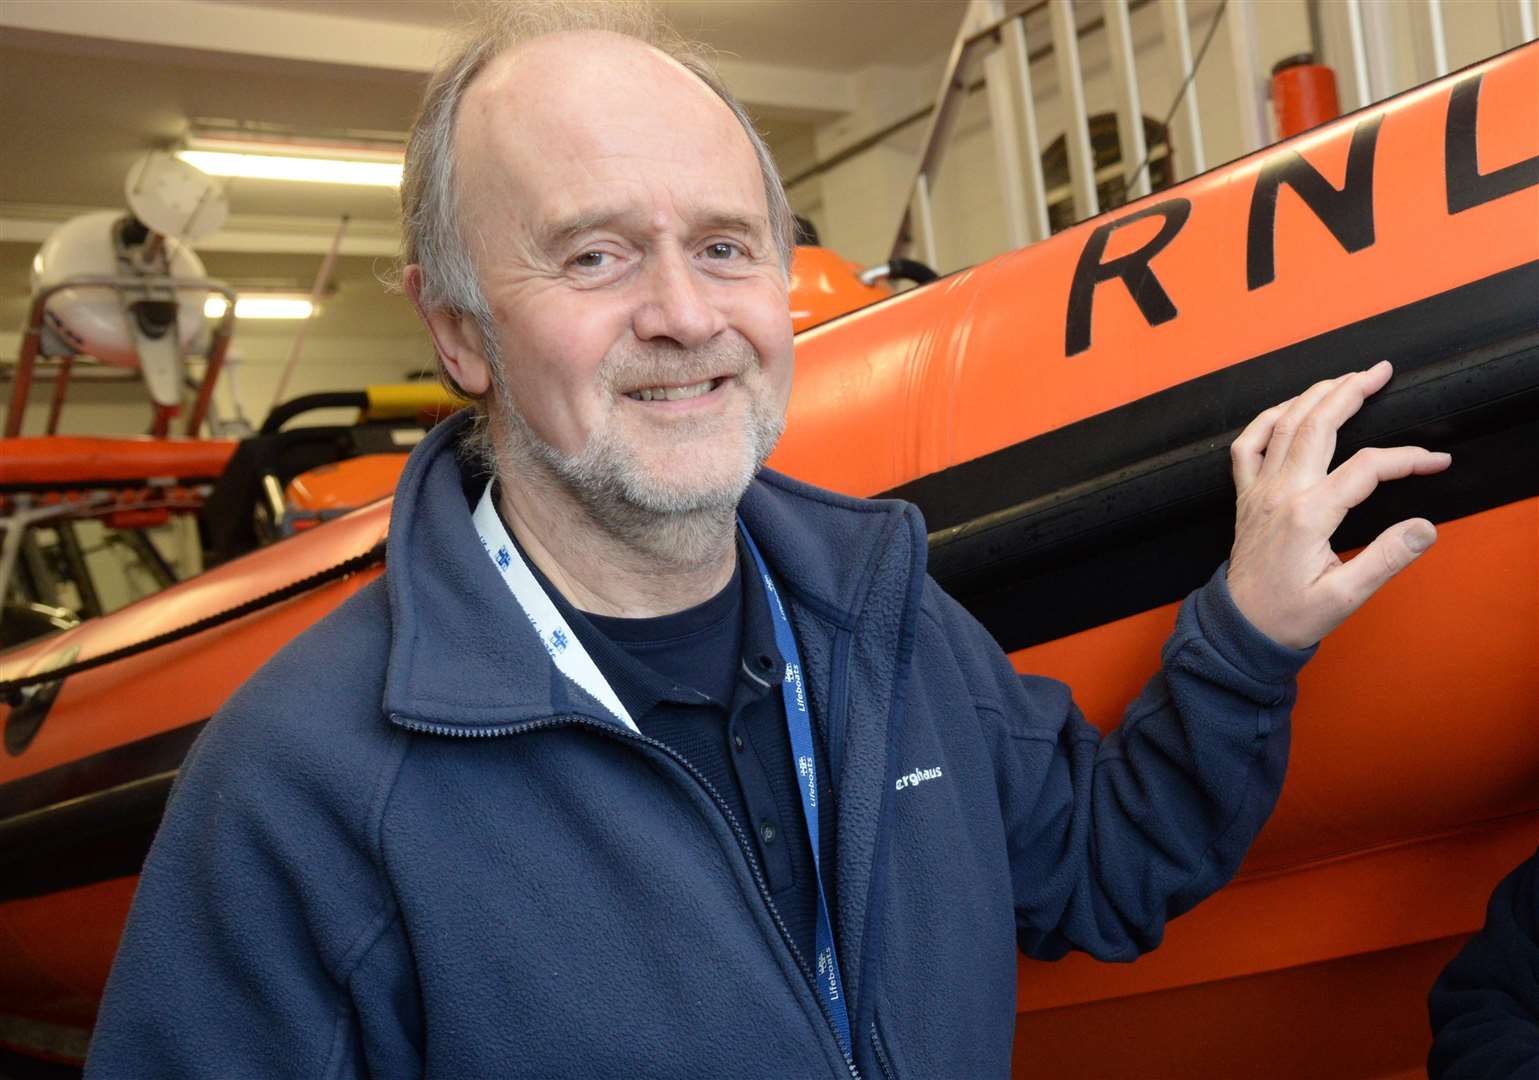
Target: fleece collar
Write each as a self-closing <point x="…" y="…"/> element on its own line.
<point x="464" y="658"/>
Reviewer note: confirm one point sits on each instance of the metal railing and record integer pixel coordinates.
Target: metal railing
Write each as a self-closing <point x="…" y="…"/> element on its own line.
<point x="993" y="37"/>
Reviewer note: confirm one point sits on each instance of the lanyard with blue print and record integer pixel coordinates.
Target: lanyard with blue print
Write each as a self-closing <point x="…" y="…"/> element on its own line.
<point x="793" y="694"/>
<point x="573" y="661"/>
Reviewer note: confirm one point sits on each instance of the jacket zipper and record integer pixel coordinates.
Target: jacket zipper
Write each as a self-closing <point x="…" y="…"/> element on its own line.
<point x="737" y="830"/>
<point x="881" y="1054"/>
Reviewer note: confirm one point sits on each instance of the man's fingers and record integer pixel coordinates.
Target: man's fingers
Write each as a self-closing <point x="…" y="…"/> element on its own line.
<point x="1314" y="440"/>
<point x="1249" y="447"/>
<point x="1391" y="552"/>
<point x="1287" y="425"/>
<point x="1354" y="480"/>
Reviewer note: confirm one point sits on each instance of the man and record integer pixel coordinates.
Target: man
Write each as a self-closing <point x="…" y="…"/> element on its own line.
<point x="597" y="782"/>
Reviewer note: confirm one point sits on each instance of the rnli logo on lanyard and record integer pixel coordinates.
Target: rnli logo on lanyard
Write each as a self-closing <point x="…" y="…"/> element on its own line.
<point x="794" y="677"/>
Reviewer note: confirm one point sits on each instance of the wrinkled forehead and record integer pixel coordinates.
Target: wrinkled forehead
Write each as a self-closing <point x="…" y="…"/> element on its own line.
<point x="572" y="111"/>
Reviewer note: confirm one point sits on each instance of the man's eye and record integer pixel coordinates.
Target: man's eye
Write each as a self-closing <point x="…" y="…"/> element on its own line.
<point x="722" y="250"/>
<point x="591" y="260"/>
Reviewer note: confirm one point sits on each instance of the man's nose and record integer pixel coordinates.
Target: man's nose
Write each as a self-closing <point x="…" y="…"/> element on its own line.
<point x="676" y="304"/>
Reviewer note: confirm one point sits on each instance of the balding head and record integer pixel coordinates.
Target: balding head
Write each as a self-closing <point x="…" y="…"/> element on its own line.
<point x="544" y="131"/>
<point x="432" y="238"/>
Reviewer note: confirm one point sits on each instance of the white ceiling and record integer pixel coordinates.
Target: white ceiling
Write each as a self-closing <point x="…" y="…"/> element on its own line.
<point x="86" y="86"/>
<point x="829" y="35"/>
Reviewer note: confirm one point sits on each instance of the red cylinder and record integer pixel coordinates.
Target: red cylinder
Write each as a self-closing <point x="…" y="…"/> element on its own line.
<point x="1303" y="94"/>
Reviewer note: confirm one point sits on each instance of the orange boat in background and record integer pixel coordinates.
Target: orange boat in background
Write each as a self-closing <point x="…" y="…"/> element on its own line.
<point x="1062" y="415"/>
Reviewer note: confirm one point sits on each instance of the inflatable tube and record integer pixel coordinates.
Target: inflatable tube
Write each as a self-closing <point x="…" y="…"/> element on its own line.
<point x="1062" y="415"/>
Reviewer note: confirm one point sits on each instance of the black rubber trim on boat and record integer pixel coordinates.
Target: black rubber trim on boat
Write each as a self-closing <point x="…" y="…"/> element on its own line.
<point x="10" y="689"/>
<point x="1494" y="309"/>
<point x="1146" y="536"/>
<point x="72" y="844"/>
<point x="87" y="776"/>
<point x="1133" y="508"/>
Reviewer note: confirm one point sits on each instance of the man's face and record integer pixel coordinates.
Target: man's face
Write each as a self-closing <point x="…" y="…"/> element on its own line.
<point x="618" y="220"/>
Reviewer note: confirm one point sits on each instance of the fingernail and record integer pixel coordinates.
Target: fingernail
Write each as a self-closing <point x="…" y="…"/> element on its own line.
<point x="1419" y="540"/>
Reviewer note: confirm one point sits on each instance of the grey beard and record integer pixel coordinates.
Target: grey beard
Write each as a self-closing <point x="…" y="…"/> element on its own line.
<point x="677" y="528"/>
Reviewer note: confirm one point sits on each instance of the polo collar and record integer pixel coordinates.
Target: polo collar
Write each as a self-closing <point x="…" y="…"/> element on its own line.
<point x="463" y="659"/>
<point x="642" y="689"/>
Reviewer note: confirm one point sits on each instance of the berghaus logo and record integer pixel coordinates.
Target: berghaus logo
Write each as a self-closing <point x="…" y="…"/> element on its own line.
<point x="917" y="777"/>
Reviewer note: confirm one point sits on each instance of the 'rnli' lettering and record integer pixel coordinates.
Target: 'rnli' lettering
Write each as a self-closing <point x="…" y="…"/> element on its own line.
<point x="1467" y="186"/>
<point x="1347" y="213"/>
<point x="1133" y="268"/>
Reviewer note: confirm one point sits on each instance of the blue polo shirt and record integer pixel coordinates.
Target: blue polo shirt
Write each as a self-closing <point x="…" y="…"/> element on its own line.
<point x="706" y="682"/>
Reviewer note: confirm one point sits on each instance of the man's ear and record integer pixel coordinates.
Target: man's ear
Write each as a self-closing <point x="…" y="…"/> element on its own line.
<point x="456" y="337"/>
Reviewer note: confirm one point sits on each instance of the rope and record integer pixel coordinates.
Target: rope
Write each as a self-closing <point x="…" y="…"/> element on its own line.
<point x="10" y="689"/>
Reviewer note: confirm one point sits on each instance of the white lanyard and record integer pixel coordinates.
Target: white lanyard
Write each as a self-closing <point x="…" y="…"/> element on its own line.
<point x="563" y="646"/>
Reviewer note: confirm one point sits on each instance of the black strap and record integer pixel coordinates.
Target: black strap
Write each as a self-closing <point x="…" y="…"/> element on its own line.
<point x="10" y="689"/>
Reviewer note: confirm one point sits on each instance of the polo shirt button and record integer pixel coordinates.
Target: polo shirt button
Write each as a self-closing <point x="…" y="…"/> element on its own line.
<point x="737" y="741"/>
<point x="767" y="832"/>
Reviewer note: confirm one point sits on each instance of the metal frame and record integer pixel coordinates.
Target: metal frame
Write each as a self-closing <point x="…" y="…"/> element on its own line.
<point x="1250" y="81"/>
<point x="1000" y="82"/>
<point x="921" y="203"/>
<point x="1019" y="57"/>
<point x="22" y="518"/>
<point x="1077" y="130"/>
<point x="1130" y="114"/>
<point x="32" y="337"/>
<point x="943" y="121"/>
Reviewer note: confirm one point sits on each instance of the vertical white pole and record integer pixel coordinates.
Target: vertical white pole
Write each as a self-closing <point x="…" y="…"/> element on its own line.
<point x="1518" y="22"/>
<point x="1187" y="136"/>
<point x="1359" y="53"/>
<point x="317" y="292"/>
<point x="1130" y="114"/>
<point x="1379" y="43"/>
<point x="1006" y="131"/>
<point x="1250" y="82"/>
<point x="1435" y="42"/>
<point x="1019" y="60"/>
<point x="1081" y="158"/>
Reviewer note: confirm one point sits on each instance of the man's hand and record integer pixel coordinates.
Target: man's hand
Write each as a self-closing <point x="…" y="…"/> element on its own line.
<point x="1283" y="575"/>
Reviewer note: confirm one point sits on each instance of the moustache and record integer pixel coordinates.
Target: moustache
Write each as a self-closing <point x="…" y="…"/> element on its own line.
<point x="644" y="364"/>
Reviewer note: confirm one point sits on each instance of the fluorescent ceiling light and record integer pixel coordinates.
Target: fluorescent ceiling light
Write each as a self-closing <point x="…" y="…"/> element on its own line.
<point x="316" y="170"/>
<point x="261" y="307"/>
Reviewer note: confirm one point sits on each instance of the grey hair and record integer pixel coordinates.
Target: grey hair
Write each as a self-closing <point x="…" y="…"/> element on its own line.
<point x="431" y="234"/>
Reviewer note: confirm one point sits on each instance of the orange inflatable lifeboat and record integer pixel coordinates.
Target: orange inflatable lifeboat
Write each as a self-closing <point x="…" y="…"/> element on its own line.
<point x="1062" y="415"/>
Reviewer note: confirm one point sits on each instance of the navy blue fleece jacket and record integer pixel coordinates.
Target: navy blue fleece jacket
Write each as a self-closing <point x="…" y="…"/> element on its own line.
<point x="1485" y="1006"/>
<point x="408" y="847"/>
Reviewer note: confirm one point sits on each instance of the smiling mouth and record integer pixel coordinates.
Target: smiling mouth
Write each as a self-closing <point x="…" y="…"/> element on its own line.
<point x="675" y="393"/>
